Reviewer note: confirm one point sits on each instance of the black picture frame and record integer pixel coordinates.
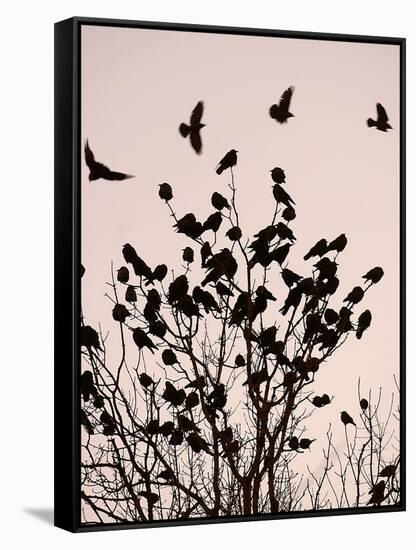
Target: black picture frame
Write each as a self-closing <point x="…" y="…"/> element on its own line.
<point x="67" y="265"/>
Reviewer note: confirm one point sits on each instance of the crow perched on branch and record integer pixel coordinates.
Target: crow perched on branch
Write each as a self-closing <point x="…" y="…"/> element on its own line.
<point x="228" y="161"/>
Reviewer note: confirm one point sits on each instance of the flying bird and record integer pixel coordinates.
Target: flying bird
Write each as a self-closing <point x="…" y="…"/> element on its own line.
<point x="228" y="161"/>
<point x="381" y="123"/>
<point x="99" y="170"/>
<point x="193" y="129"/>
<point x="280" y="111"/>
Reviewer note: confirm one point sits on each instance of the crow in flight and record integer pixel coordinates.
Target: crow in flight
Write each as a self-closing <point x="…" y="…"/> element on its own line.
<point x="99" y="170"/>
<point x="193" y="130"/>
<point x="228" y="161"/>
<point x="382" y="120"/>
<point x="281" y="112"/>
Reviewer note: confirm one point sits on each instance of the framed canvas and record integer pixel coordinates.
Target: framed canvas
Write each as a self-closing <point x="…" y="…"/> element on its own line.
<point x="230" y="274"/>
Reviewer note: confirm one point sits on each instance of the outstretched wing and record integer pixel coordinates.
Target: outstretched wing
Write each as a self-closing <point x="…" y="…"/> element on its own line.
<point x="89" y="156"/>
<point x="196" y="141"/>
<point x="381" y="113"/>
<point x="286" y="97"/>
<point x="197" y="113"/>
<point x="110" y="175"/>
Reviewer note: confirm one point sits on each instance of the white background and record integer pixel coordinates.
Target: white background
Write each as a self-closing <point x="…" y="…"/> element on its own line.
<point x="26" y="307"/>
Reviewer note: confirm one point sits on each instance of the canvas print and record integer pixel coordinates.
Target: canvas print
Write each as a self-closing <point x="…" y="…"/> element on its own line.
<point x="240" y="275"/>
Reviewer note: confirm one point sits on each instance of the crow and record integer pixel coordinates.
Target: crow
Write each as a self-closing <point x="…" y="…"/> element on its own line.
<point x="213" y="222"/>
<point x="197" y="443"/>
<point x="189" y="226"/>
<point x="166" y="475"/>
<point x="188" y="255"/>
<point x="87" y="385"/>
<point x="262" y="291"/>
<point x="99" y="170"/>
<point x="234" y="234"/>
<point x="285" y="232"/>
<point x="197" y="383"/>
<point x="165" y="192"/>
<point x="219" y="202"/>
<point x="205" y="298"/>
<point x="293" y="443"/>
<point x="187" y="425"/>
<point x="239" y="360"/>
<point x="193" y="130"/>
<point x="257" y="378"/>
<point x="223" y="290"/>
<point x="188" y="307"/>
<point x="205" y="253"/>
<point x="279" y="254"/>
<point x="89" y="337"/>
<point x="355" y="296"/>
<point x="338" y="244"/>
<point x="377" y="493"/>
<point x="158" y="274"/>
<point x="281" y="196"/>
<point x="318" y="249"/>
<point x="388" y="471"/>
<point x="192" y="400"/>
<point x="178" y="288"/>
<point x="293" y="300"/>
<point x="289" y="213"/>
<point x="141" y="269"/>
<point x="120" y="313"/>
<point x="374" y="275"/>
<point x="176" y="438"/>
<point x="158" y="328"/>
<point x="149" y="313"/>
<point x="382" y="120"/>
<point x="346" y="418"/>
<point x="169" y="357"/>
<point x="222" y="263"/>
<point x="290" y="277"/>
<point x="364" y="404"/>
<point x="331" y="316"/>
<point x="173" y="396"/>
<point x="142" y="340"/>
<point x="327" y="268"/>
<point x="364" y="321"/>
<point x="145" y="380"/>
<point x="278" y="175"/>
<point x="280" y="111"/>
<point x="131" y="295"/>
<point x="228" y="161"/>
<point x="151" y="498"/>
<point x="154" y="299"/>
<point x="123" y="275"/>
<point x="305" y="443"/>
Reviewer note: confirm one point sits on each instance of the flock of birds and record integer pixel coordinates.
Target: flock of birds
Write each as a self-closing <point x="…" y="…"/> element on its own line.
<point x="279" y="112"/>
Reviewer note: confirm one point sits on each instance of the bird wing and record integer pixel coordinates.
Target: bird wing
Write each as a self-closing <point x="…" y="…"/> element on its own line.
<point x="196" y="141"/>
<point x="115" y="176"/>
<point x="89" y="155"/>
<point x="286" y="97"/>
<point x="197" y="113"/>
<point x="381" y="113"/>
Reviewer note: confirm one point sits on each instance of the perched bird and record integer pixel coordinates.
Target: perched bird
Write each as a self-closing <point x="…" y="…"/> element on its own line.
<point x="218" y="397"/>
<point x="189" y="226"/>
<point x="130" y="295"/>
<point x="293" y="300"/>
<point x="285" y="232"/>
<point x="120" y="313"/>
<point x="178" y="288"/>
<point x="374" y="275"/>
<point x="158" y="328"/>
<point x="176" y="438"/>
<point x="172" y="395"/>
<point x="192" y="400"/>
<point x="221" y="264"/>
<point x="166" y="475"/>
<point x="262" y="291"/>
<point x="320" y="401"/>
<point x="364" y="321"/>
<point x="293" y="443"/>
<point x="213" y="222"/>
<point x="239" y="361"/>
<point x="123" y="274"/>
<point x="197" y="443"/>
<point x="326" y="267"/>
<point x="188" y="255"/>
<point x="197" y="383"/>
<point x="87" y="385"/>
<point x="89" y="337"/>
<point x="305" y="443"/>
<point x="205" y="253"/>
<point x="364" y="404"/>
<point x="344" y="323"/>
<point x="152" y="427"/>
<point x="165" y="192"/>
<point x="187" y="425"/>
<point x="154" y="299"/>
<point x="151" y="498"/>
<point x="205" y="298"/>
<point x="167" y="428"/>
<point x="85" y="421"/>
<point x="278" y="175"/>
<point x="193" y="130"/>
<point x="257" y="378"/>
<point x="158" y="274"/>
<point x="279" y="254"/>
<point x="228" y="161"/>
<point x="169" y="357"/>
<point x="99" y="170"/>
<point x="312" y="326"/>
<point x="149" y="313"/>
<point x="219" y="202"/>
<point x="381" y="123"/>
<point x="318" y="249"/>
<point x="280" y="111"/>
<point x="289" y="213"/>
<point x="281" y="196"/>
<point x="355" y="296"/>
<point x="188" y="307"/>
<point x="234" y="233"/>
<point x="338" y="244"/>
<point x="377" y="493"/>
<point x="388" y="471"/>
<point x="346" y="419"/>
<point x="142" y="340"/>
<point x="223" y="290"/>
<point x="328" y="338"/>
<point x="145" y="380"/>
<point x="290" y="277"/>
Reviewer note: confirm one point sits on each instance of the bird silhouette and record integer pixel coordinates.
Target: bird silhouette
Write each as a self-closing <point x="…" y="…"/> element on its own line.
<point x="188" y="307"/>
<point x="223" y="290"/>
<point x="318" y="249"/>
<point x="289" y="213"/>
<point x="178" y="288"/>
<point x="213" y="222"/>
<point x="228" y="161"/>
<point x="364" y="404"/>
<point x="187" y="425"/>
<point x="331" y="316"/>
<point x="374" y="275"/>
<point x="205" y="253"/>
<point x="120" y="313"/>
<point x="151" y="498"/>
<point x="193" y="129"/>
<point x="153" y="298"/>
<point x="142" y="340"/>
<point x="293" y="300"/>
<point x="172" y="395"/>
<point x="176" y="438"/>
<point x="364" y="321"/>
<point x="278" y="175"/>
<point x="169" y="357"/>
<point x="145" y="380"/>
<point x="206" y="299"/>
<point x="290" y="277"/>
<point x="165" y="192"/>
<point x="346" y="418"/>
<point x="377" y="493"/>
<point x="281" y="196"/>
<point x="123" y="275"/>
<point x="219" y="202"/>
<point x="280" y="111"/>
<point x="192" y="400"/>
<point x="222" y="263"/>
<point x="167" y="428"/>
<point x="158" y="274"/>
<point x="239" y="360"/>
<point x="305" y="443"/>
<point x="197" y="443"/>
<point x="166" y="475"/>
<point x="234" y="233"/>
<point x="99" y="170"/>
<point x="278" y="255"/>
<point x="293" y="443"/>
<point x="338" y="244"/>
<point x="188" y="255"/>
<point x="89" y="337"/>
<point x="355" y="296"/>
<point x="158" y="328"/>
<point x="388" y="471"/>
<point x="257" y="378"/>
<point x="189" y="226"/>
<point x="381" y="123"/>
<point x="197" y="383"/>
<point x="130" y="295"/>
<point x="87" y="385"/>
